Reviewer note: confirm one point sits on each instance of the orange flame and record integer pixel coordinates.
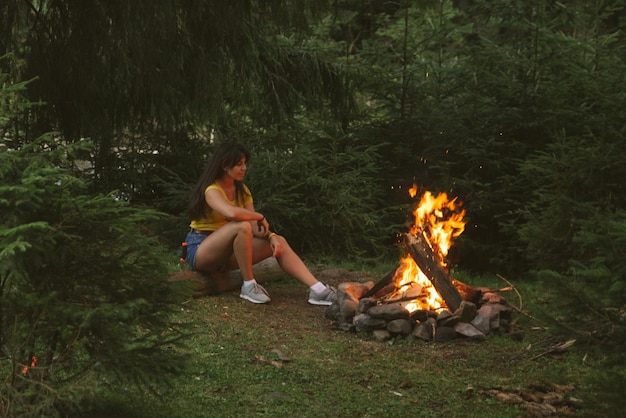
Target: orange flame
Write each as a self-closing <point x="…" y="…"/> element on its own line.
<point x="440" y="220"/>
<point x="413" y="284"/>
<point x="439" y="217"/>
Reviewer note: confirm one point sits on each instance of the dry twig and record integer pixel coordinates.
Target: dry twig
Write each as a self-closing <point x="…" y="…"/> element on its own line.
<point x="557" y="348"/>
<point x="519" y="296"/>
<point x="511" y="287"/>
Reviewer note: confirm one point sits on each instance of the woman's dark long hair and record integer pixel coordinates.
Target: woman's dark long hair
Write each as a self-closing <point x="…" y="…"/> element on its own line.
<point x="227" y="154"/>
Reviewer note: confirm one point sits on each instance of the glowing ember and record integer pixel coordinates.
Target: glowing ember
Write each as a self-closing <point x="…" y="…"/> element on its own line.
<point x="440" y="220"/>
<point x="33" y="362"/>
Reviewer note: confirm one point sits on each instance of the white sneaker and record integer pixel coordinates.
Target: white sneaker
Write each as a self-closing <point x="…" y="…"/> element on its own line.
<point x="325" y="297"/>
<point x="255" y="293"/>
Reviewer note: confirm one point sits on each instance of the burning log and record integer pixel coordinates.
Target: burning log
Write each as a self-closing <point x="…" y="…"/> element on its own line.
<point x="383" y="283"/>
<point x="469" y="293"/>
<point x="427" y="260"/>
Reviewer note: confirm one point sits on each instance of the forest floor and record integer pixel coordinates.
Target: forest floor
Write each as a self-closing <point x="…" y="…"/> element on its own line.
<point x="286" y="359"/>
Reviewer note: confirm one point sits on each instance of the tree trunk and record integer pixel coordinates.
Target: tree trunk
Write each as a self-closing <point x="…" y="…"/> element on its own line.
<point x="222" y="281"/>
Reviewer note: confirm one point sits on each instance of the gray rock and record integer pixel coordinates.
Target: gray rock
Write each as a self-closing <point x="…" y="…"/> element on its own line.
<point x="365" y="323"/>
<point x="333" y="312"/>
<point x="347" y="327"/>
<point x="481" y="322"/>
<point x="381" y="335"/>
<point x="425" y="330"/>
<point x="443" y="315"/>
<point x="421" y="315"/>
<point x="388" y="312"/>
<point x="449" y="321"/>
<point x="445" y="334"/>
<point x="466" y="311"/>
<point x="365" y="304"/>
<point x="470" y="331"/>
<point x="347" y="305"/>
<point x="399" y="327"/>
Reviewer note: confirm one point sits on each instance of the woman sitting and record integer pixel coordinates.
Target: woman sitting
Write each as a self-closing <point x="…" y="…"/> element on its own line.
<point x="227" y="232"/>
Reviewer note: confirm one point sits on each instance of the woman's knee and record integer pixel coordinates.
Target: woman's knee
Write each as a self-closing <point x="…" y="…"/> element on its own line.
<point x="283" y="241"/>
<point x="236" y="228"/>
<point x="244" y="227"/>
<point x="285" y="245"/>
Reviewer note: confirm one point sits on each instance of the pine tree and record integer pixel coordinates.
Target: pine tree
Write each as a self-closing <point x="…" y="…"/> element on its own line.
<point x="82" y="280"/>
<point x="161" y="67"/>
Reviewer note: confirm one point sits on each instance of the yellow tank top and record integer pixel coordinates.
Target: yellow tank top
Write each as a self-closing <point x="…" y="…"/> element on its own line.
<point x="213" y="220"/>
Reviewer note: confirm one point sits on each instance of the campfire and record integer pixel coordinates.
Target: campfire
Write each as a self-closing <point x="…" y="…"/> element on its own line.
<point x="419" y="297"/>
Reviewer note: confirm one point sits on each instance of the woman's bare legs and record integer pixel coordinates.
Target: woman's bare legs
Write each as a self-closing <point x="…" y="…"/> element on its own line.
<point x="293" y="265"/>
<point x="235" y="242"/>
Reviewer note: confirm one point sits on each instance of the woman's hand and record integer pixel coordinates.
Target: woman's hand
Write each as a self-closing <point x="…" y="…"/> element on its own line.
<point x="277" y="248"/>
<point x="261" y="228"/>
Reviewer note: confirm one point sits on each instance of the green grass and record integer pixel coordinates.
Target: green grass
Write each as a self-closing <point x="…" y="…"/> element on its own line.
<point x="236" y="367"/>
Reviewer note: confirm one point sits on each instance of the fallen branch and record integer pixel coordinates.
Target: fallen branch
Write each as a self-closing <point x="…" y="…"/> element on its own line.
<point x="519" y="296"/>
<point x="511" y="287"/>
<point x="271" y="362"/>
<point x="557" y="348"/>
<point x="524" y="313"/>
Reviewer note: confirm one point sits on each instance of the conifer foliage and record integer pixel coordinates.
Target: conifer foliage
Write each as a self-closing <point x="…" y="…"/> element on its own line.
<point x="82" y="289"/>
